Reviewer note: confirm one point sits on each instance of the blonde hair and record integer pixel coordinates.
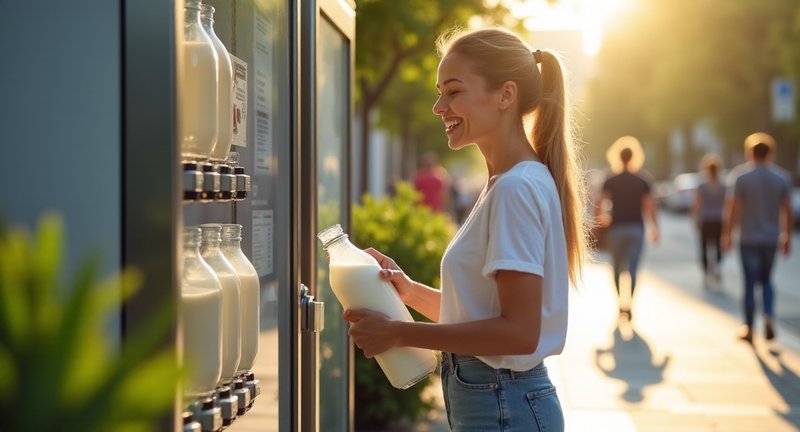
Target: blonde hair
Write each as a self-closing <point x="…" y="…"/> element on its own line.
<point x="614" y="154"/>
<point x="711" y="165"/>
<point x="759" y="138"/>
<point x="499" y="55"/>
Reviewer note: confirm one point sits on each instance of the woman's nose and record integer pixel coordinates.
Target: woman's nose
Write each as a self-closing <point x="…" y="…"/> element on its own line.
<point x="438" y="107"/>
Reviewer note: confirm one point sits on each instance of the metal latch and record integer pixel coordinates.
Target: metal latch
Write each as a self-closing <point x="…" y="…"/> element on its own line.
<point x="312" y="313"/>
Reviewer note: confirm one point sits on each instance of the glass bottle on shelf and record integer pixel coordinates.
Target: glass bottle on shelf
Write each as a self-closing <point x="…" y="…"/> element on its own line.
<point x="250" y="290"/>
<point x="198" y="99"/>
<point x="201" y="320"/>
<point x="224" y="89"/>
<point x="231" y="299"/>
<point x="355" y="280"/>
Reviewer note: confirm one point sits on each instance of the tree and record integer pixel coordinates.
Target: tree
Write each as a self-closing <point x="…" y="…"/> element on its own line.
<point x="396" y="38"/>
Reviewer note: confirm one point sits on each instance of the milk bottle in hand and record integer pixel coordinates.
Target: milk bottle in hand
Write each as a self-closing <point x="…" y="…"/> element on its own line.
<point x="355" y="280"/>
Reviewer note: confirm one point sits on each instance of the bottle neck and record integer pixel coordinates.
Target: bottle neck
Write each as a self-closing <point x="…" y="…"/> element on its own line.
<point x="231" y="243"/>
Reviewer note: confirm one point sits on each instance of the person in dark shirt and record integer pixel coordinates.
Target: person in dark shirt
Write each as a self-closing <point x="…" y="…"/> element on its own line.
<point x="628" y="195"/>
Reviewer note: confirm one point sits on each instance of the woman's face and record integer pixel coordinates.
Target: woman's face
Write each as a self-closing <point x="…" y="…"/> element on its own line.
<point x="470" y="113"/>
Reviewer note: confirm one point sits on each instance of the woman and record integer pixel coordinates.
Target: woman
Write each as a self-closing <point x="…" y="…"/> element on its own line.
<point x="709" y="201"/>
<point x="502" y="308"/>
<point x="631" y="201"/>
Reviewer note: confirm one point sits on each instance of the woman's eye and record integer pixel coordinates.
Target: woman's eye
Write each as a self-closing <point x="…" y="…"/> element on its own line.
<point x="453" y="92"/>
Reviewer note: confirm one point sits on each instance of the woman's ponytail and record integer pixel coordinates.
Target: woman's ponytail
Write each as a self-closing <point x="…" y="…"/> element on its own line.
<point x="556" y="147"/>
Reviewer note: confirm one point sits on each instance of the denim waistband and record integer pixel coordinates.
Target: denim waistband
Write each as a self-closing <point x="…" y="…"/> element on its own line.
<point x="451" y="360"/>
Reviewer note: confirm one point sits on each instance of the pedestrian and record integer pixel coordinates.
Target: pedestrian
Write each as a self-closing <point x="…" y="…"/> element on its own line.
<point x="707" y="208"/>
<point x="502" y="308"/>
<point x="628" y="194"/>
<point x="759" y="198"/>
<point x="433" y="182"/>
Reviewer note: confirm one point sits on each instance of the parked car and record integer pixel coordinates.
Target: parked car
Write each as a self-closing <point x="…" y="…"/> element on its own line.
<point x="677" y="195"/>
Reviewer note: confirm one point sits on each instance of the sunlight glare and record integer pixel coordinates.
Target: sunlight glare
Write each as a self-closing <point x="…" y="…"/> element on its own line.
<point x="588" y="16"/>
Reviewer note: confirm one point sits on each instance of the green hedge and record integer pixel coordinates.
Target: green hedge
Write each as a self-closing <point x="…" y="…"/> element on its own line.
<point x="416" y="238"/>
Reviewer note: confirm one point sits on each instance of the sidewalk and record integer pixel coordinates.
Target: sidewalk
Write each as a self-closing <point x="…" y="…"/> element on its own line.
<point x="677" y="366"/>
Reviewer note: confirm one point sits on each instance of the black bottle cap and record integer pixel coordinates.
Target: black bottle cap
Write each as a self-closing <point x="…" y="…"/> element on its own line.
<point x="188" y="417"/>
<point x="238" y="169"/>
<point x="190" y="166"/>
<point x="208" y="404"/>
<point x="250" y="376"/>
<point x="224" y="169"/>
<point x="207" y="167"/>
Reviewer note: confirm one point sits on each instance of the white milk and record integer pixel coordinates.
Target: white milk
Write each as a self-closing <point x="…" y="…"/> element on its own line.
<point x="225" y="101"/>
<point x="359" y="286"/>
<point x="198" y="100"/>
<point x="201" y="321"/>
<point x="250" y="315"/>
<point x="231" y="320"/>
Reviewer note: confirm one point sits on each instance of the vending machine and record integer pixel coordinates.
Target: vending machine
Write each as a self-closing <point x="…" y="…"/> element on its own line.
<point x="205" y="143"/>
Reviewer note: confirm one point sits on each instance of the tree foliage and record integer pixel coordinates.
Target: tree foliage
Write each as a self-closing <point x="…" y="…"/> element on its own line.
<point x="671" y="63"/>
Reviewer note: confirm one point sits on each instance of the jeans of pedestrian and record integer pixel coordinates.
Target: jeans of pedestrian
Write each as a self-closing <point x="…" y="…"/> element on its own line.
<point x="625" y="243"/>
<point x="757" y="263"/>
<point x="479" y="398"/>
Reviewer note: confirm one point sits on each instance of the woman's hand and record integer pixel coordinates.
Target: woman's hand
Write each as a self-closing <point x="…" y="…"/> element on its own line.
<point x="392" y="273"/>
<point x="371" y="331"/>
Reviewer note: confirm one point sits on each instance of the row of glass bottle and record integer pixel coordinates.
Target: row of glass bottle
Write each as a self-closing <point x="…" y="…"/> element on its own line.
<point x="219" y="308"/>
<point x="206" y="88"/>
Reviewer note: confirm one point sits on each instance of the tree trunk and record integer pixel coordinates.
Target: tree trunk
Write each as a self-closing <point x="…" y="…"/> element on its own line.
<point x="364" y="149"/>
<point x="689" y="156"/>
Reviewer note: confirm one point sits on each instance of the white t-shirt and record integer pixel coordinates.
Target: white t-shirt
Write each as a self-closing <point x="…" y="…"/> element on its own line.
<point x="517" y="226"/>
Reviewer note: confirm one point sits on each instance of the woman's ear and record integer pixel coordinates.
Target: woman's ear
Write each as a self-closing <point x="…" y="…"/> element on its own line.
<point x="508" y="94"/>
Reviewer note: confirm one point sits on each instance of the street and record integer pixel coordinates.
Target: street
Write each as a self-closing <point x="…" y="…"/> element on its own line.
<point x="679" y="366"/>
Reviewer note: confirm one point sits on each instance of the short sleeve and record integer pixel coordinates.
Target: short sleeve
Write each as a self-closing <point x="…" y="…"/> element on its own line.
<point x="517" y="230"/>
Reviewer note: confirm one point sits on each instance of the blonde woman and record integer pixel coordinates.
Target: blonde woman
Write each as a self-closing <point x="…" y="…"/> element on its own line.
<point x="631" y="201"/>
<point x="502" y="308"/>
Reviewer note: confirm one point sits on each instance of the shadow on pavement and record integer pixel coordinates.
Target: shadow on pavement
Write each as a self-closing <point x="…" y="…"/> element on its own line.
<point x="785" y="382"/>
<point x="630" y="359"/>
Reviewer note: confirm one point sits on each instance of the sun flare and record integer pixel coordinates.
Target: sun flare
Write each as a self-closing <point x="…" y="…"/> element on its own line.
<point x="588" y="16"/>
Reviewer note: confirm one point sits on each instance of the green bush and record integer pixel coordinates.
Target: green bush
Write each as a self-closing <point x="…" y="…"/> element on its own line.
<point x="416" y="238"/>
<point x="58" y="371"/>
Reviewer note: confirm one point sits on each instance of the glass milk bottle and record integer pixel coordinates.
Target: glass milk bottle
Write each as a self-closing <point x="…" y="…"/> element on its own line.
<point x="231" y="298"/>
<point x="250" y="292"/>
<point x="355" y="280"/>
<point x="201" y="319"/>
<point x="224" y="89"/>
<point x="197" y="103"/>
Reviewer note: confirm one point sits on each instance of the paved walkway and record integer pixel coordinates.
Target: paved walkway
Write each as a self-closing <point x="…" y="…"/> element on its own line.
<point x="677" y="366"/>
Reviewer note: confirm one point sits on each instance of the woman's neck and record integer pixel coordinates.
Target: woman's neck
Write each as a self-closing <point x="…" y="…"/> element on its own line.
<point x="506" y="151"/>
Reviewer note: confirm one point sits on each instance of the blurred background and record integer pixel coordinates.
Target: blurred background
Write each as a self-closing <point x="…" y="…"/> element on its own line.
<point x="686" y="77"/>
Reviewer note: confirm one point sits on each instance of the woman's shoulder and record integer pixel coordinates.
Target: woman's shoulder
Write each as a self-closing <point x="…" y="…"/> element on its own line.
<point x="525" y="174"/>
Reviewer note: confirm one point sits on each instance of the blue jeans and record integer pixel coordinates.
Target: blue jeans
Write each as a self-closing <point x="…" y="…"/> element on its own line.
<point x="625" y="242"/>
<point x="757" y="263"/>
<point x="479" y="398"/>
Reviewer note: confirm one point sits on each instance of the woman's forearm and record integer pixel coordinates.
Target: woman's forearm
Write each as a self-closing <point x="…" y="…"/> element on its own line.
<point x="493" y="336"/>
<point x="425" y="300"/>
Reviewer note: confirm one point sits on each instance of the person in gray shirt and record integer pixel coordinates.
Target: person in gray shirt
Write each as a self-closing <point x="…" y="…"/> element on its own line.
<point x="760" y="197"/>
<point x="707" y="209"/>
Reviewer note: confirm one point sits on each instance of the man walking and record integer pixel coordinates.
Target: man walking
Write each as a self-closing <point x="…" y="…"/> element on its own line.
<point x="759" y="198"/>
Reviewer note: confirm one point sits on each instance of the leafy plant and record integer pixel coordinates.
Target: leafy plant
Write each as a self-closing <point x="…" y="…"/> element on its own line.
<point x="416" y="238"/>
<point x="58" y="370"/>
